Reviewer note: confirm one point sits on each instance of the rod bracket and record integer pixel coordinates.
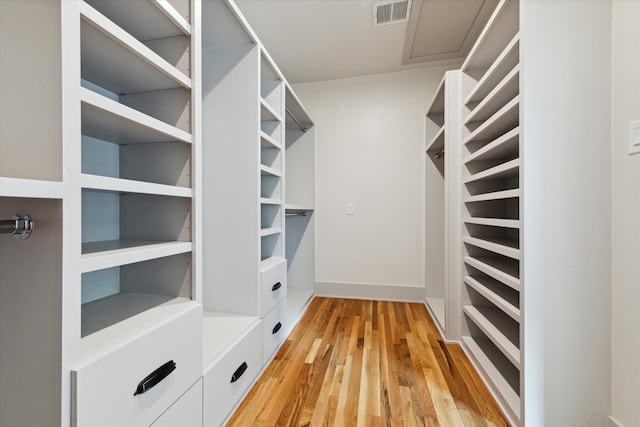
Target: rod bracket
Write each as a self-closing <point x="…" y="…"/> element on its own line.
<point x="20" y="228"/>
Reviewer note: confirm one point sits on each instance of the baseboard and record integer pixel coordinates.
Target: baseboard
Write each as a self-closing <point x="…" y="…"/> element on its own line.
<point x="612" y="422"/>
<point x="400" y="293"/>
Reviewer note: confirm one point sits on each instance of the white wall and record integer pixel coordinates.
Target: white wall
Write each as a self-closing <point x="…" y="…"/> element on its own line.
<point x="370" y="152"/>
<point x="626" y="215"/>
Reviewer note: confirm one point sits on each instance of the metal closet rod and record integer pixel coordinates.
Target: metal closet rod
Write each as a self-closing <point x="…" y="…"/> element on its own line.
<point x="20" y="228"/>
<point x="295" y="119"/>
<point x="301" y="213"/>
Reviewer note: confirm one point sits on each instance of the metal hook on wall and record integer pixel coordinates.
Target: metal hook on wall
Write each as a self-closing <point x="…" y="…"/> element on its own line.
<point x="20" y="228"/>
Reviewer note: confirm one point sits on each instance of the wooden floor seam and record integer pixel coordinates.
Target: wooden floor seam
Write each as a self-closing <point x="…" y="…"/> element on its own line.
<point x="368" y="363"/>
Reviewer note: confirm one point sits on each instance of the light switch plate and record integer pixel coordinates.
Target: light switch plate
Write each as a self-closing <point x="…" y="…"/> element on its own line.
<point x="634" y="137"/>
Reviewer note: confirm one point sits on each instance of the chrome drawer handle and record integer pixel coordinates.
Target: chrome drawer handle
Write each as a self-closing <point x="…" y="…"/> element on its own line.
<point x="276" y="287"/>
<point x="155" y="377"/>
<point x="238" y="373"/>
<point x="276" y="328"/>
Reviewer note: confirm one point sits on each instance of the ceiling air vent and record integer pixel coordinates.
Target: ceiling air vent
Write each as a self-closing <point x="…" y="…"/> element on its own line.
<point x="390" y="12"/>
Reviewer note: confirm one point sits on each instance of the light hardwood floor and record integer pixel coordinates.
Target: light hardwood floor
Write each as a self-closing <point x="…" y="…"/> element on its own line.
<point x="368" y="363"/>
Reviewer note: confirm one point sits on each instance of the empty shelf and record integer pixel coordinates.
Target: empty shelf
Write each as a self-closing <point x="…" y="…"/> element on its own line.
<point x="506" y="146"/>
<point x="496" y="195"/>
<point x="30" y="188"/>
<point x="436" y="107"/>
<point x="504" y="91"/>
<point x="269" y="201"/>
<point x="503" y="332"/>
<point x="268" y="142"/>
<point x="508" y="169"/>
<point x="268" y="113"/>
<point x="498" y="268"/>
<point x="270" y="231"/>
<point x="501" y="246"/>
<point x="296" y="208"/>
<point x="437" y="143"/>
<point x="506" y="299"/>
<point x="113" y="253"/>
<point x="266" y="170"/>
<point x="494" y="222"/>
<point x="505" y="119"/>
<point x="96" y="182"/>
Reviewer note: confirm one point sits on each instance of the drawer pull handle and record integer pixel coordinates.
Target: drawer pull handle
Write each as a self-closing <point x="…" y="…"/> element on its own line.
<point x="276" y="328"/>
<point x="276" y="287"/>
<point x="238" y="373"/>
<point x="155" y="377"/>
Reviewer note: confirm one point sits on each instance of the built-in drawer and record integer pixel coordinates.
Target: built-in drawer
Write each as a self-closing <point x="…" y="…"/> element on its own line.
<point x="274" y="329"/>
<point x="135" y="382"/>
<point x="186" y="412"/>
<point x="228" y="377"/>
<point x="273" y="286"/>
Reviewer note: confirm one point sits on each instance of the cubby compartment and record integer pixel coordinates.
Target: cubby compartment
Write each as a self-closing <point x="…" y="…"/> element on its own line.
<point x="502" y="296"/>
<point x="270" y="128"/>
<point x="270" y="85"/>
<point x="486" y="321"/>
<point x="271" y="246"/>
<point x="114" y="294"/>
<point x="270" y="217"/>
<point x="271" y="157"/>
<point x="270" y="187"/>
<point x="500" y="208"/>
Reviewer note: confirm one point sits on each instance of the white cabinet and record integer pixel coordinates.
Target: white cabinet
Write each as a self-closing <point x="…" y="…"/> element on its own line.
<point x="186" y="411"/>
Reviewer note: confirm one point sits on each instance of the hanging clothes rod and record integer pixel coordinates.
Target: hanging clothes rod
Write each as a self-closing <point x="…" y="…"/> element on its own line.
<point x="438" y="155"/>
<point x="301" y="213"/>
<point x="19" y="228"/>
<point x="300" y="125"/>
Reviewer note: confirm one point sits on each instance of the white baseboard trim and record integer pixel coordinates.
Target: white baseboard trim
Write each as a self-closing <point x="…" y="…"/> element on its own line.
<point x="612" y="422"/>
<point x="401" y="293"/>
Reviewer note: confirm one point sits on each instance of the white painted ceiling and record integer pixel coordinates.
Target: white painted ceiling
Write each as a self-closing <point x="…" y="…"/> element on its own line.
<point x="314" y="40"/>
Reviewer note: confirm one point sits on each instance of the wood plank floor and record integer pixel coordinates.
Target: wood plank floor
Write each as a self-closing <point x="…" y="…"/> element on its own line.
<point x="368" y="363"/>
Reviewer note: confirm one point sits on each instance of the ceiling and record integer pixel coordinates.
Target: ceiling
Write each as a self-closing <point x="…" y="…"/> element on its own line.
<point x="314" y="40"/>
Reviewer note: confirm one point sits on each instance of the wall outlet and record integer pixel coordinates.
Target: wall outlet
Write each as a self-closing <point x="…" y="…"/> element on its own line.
<point x="349" y="208"/>
<point x="634" y="137"/>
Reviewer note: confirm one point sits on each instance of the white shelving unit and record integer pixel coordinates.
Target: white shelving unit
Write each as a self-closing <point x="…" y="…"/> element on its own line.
<point x="492" y="226"/>
<point x="441" y="207"/>
<point x="112" y="194"/>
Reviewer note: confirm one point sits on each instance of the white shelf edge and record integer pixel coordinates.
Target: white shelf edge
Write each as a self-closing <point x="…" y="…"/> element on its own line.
<point x="270" y="231"/>
<point x="490" y="72"/>
<point x="504" y="305"/>
<point x="97" y="182"/>
<point x="496" y="273"/>
<point x="131" y="115"/>
<point x="137" y="48"/>
<point x="297" y="207"/>
<point x="493" y="96"/>
<point x="500" y="169"/>
<point x="221" y="332"/>
<point x="270" y="110"/>
<point x="495" y="144"/>
<point x="494" y="222"/>
<point x="270" y="201"/>
<point x="495" y="120"/>
<point x="496" y="195"/>
<point x="494" y="247"/>
<point x="270" y="262"/>
<point x="493" y="376"/>
<point x="170" y="12"/>
<point x="106" y="259"/>
<point x="437" y="142"/>
<point x="30" y="188"/>
<point x="266" y="170"/>
<point x="492" y="332"/>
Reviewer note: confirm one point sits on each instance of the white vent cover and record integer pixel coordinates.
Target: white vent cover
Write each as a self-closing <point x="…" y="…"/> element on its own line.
<point x="390" y="12"/>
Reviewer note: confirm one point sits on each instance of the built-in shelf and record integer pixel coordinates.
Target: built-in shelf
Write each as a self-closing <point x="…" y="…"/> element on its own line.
<point x="270" y="231"/>
<point x="105" y="183"/>
<point x="508" y="59"/>
<point x="436" y="107"/>
<point x="118" y="62"/>
<point x="108" y="120"/>
<point x="503" y="332"/>
<point x="268" y="112"/>
<point x="436" y="145"/>
<point x="30" y="188"/>
<point x="506" y="299"/>
<point x="509" y="169"/>
<point x="113" y="253"/>
<point x="268" y="142"/>
<point x="145" y="20"/>
<point x="269" y="201"/>
<point x="494" y="222"/>
<point x="504" y="91"/>
<point x="503" y="120"/>
<point x="266" y="170"/>
<point x="498" y="268"/>
<point x="294" y="207"/>
<point x="484" y="354"/>
<point x="505" y="146"/>
<point x="496" y="195"/>
<point x="501" y="246"/>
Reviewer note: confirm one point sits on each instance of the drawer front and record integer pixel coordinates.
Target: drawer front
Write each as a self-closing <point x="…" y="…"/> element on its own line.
<point x="274" y="328"/>
<point x="222" y="391"/>
<point x="186" y="412"/>
<point x="273" y="286"/>
<point x="103" y="388"/>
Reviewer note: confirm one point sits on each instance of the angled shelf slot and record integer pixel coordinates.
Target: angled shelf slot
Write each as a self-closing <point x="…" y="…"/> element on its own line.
<point x="494" y="222"/>
<point x="503" y="297"/>
<point x="502" y="246"/>
<point x="506" y="146"/>
<point x="502" y="93"/>
<point x="265" y="170"/>
<point x="506" y="170"/>
<point x="505" y="119"/>
<point x="509" y="58"/>
<point x="496" y="195"/>
<point x="501" y="330"/>
<point x="113" y="59"/>
<point x="497" y="369"/>
<point x="498" y="268"/>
